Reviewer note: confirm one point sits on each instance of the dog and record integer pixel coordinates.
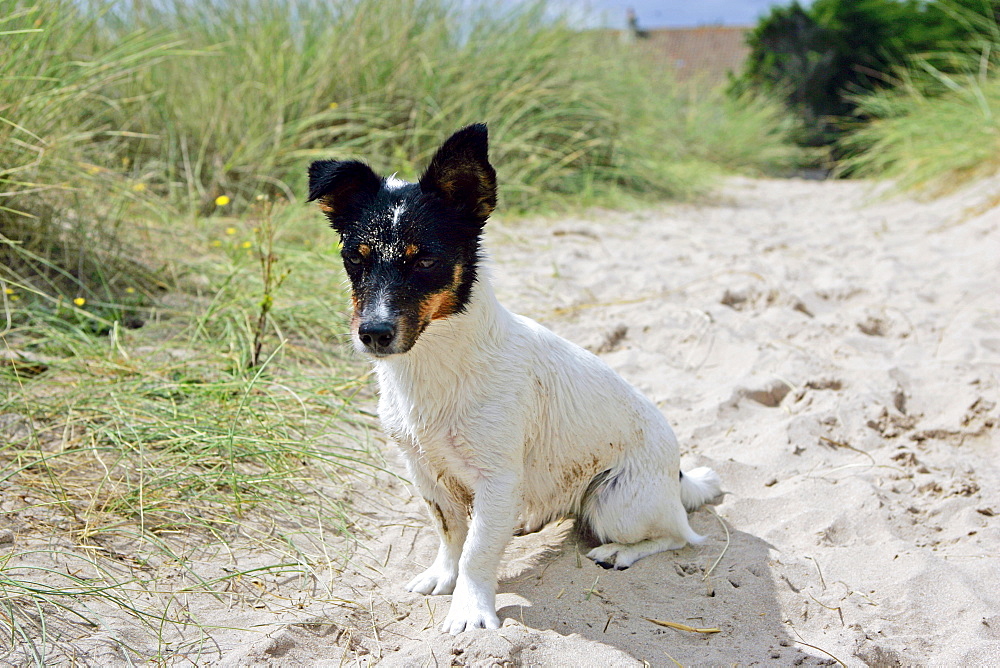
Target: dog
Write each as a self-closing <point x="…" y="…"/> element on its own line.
<point x="497" y="417"/>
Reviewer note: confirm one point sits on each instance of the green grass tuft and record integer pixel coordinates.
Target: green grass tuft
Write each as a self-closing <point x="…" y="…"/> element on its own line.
<point x="939" y="141"/>
<point x="938" y="128"/>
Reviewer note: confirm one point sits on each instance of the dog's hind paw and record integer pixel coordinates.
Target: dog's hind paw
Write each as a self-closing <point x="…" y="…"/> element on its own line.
<point x="433" y="581"/>
<point x="622" y="555"/>
<point x="610" y="556"/>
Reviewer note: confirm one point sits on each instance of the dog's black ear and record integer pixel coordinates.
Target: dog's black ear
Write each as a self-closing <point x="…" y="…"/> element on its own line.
<point x="342" y="187"/>
<point x="462" y="175"/>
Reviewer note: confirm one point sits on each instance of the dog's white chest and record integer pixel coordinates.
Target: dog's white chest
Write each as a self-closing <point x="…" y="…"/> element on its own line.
<point x="433" y="434"/>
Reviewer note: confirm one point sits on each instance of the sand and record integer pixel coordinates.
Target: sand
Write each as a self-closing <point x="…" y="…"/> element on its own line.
<point x="834" y="353"/>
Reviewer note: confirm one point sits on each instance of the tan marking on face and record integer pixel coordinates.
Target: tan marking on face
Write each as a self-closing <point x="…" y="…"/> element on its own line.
<point x="410" y="251"/>
<point x="444" y="303"/>
<point x="356" y="312"/>
<point x="365" y="250"/>
<point x="325" y="204"/>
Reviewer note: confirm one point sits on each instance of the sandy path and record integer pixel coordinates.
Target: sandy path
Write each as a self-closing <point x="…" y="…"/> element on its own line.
<point x="838" y="364"/>
<point x="836" y="360"/>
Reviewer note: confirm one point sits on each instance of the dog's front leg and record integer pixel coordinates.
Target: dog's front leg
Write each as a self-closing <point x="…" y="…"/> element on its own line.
<point x="495" y="507"/>
<point x="452" y="526"/>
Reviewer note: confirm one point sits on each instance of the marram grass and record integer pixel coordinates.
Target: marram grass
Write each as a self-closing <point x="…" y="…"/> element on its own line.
<point x="162" y="442"/>
<point x="939" y="142"/>
<point x="938" y="127"/>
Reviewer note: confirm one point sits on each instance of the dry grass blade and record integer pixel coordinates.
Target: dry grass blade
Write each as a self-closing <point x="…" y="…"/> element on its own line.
<point x="819" y="649"/>
<point x="724" y="550"/>
<point x="681" y="627"/>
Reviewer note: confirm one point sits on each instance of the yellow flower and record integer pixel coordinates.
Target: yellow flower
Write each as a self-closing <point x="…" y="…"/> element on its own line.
<point x="8" y="291"/>
<point x="79" y="301"/>
<point x="14" y="298"/>
<point x="130" y="290"/>
<point x="334" y="105"/>
<point x="221" y="200"/>
<point x="216" y="243"/>
<point x="139" y="187"/>
<point x="230" y="231"/>
<point x="93" y="169"/>
<point x="247" y="244"/>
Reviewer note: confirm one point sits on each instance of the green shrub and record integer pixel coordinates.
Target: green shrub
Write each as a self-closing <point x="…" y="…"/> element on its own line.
<point x="938" y="127"/>
<point x="821" y="58"/>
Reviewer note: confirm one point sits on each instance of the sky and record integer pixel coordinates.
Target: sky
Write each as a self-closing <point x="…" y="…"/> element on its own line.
<point x="671" y="13"/>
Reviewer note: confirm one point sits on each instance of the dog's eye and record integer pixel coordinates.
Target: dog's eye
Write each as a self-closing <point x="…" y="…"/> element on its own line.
<point x="426" y="262"/>
<point x="353" y="258"/>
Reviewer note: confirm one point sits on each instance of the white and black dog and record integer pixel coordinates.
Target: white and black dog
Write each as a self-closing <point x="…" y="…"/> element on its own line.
<point x="497" y="417"/>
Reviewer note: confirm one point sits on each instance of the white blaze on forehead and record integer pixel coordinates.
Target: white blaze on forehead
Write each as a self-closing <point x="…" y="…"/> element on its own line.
<point x="392" y="183"/>
<point x="397" y="211"/>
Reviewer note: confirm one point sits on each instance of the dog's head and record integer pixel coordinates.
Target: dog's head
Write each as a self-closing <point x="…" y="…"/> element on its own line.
<point x="410" y="249"/>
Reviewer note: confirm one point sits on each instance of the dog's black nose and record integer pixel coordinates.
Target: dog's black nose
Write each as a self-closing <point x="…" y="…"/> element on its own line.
<point x="376" y="336"/>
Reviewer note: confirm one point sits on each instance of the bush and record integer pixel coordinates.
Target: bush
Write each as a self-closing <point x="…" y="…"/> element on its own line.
<point x="821" y="59"/>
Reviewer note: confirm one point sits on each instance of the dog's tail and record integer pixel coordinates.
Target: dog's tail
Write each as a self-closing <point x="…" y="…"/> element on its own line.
<point x="700" y="486"/>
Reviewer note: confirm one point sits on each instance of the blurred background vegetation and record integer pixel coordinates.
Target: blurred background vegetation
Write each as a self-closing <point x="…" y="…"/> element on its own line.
<point x="898" y="88"/>
<point x="122" y="124"/>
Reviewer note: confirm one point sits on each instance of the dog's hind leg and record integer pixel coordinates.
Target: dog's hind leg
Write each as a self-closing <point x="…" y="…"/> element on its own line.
<point x="450" y="517"/>
<point x="638" y="511"/>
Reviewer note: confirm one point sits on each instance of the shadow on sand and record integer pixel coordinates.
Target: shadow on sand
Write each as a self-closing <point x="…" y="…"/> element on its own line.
<point x="564" y="591"/>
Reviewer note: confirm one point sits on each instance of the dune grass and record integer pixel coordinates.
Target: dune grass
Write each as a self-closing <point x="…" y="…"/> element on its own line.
<point x="937" y="141"/>
<point x="148" y="445"/>
<point x="937" y="128"/>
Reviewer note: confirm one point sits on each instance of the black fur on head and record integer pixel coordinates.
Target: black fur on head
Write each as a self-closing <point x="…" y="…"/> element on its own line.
<point x="343" y="188"/>
<point x="461" y="173"/>
<point x="411" y="250"/>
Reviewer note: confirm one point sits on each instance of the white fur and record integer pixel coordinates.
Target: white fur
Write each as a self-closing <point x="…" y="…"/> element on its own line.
<point x="492" y="407"/>
<point x="394" y="183"/>
<point x="397" y="211"/>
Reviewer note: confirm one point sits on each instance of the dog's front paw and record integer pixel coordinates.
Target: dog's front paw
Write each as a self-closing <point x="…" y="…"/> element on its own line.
<point x="435" y="580"/>
<point x="471" y="608"/>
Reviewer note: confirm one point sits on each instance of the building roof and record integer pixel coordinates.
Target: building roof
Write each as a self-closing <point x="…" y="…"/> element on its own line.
<point x="710" y="52"/>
